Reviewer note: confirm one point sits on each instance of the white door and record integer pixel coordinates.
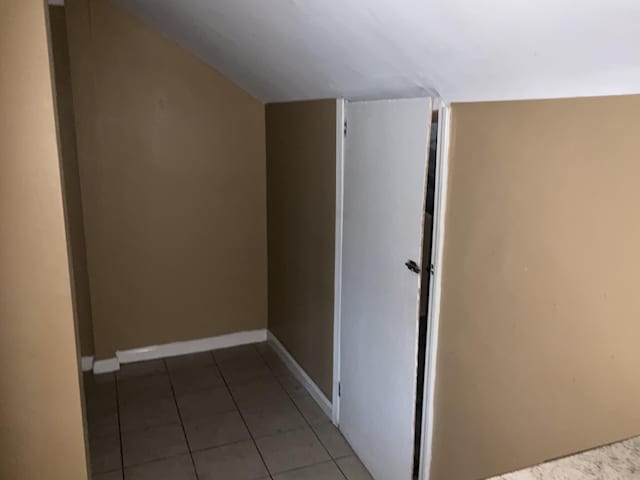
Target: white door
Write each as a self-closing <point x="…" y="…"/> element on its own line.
<point x="386" y="153"/>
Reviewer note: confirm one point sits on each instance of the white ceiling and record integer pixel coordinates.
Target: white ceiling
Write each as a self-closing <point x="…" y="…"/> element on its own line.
<point x="463" y="50"/>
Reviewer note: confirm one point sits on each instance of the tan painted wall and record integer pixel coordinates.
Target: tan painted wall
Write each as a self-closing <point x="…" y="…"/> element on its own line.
<point x="73" y="199"/>
<point x="538" y="353"/>
<point x="173" y="180"/>
<point x="301" y="185"/>
<point x="41" y="427"/>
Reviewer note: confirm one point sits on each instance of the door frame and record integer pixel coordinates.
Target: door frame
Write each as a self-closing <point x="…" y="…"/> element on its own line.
<point x="337" y="299"/>
<point x="433" y="314"/>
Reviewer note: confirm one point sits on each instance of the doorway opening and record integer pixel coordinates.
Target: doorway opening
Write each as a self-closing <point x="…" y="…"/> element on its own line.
<point x="385" y="171"/>
<point x="425" y="287"/>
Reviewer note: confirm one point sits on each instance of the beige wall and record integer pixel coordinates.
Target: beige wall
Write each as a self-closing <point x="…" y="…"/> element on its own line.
<point x="172" y="166"/>
<point x="71" y="178"/>
<point x="301" y="185"/>
<point x="538" y="352"/>
<point x="41" y="428"/>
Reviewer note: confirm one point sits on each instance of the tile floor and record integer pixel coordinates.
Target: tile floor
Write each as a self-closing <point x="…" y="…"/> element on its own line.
<point x="233" y="414"/>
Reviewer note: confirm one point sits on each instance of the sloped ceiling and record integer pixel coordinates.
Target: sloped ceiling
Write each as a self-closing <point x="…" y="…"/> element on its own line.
<point x="463" y="50"/>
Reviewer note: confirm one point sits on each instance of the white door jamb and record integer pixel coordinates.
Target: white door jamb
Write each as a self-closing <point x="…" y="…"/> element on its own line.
<point x="433" y="315"/>
<point x="340" y="134"/>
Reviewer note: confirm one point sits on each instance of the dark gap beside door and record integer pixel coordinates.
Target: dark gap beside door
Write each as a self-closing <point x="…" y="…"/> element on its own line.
<point x="425" y="289"/>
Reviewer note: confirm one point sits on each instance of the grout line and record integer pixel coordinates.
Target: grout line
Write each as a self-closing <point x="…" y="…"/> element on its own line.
<point x="331" y="459"/>
<point x="280" y="432"/>
<point x="253" y="439"/>
<point x="206" y="449"/>
<point x="184" y="431"/>
<point x="297" y="469"/>
<point x="340" y="469"/>
<point x="151" y="427"/>
<point x="157" y="460"/>
<point x="115" y="381"/>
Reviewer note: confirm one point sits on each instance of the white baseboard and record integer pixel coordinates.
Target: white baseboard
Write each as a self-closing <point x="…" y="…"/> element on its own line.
<point x="191" y="346"/>
<point x="301" y="375"/>
<point x="107" y="365"/>
<point x="86" y="363"/>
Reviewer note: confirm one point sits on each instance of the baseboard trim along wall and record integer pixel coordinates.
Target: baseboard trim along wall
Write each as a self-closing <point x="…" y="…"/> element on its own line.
<point x="299" y="373"/>
<point x="107" y="365"/>
<point x="86" y="363"/>
<point x="179" y="348"/>
<point x="211" y="343"/>
<point x="191" y="346"/>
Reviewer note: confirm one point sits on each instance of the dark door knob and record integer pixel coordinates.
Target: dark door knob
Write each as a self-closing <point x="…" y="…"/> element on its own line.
<point x="413" y="266"/>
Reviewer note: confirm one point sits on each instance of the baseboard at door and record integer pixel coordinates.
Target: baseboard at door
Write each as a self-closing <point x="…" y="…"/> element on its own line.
<point x="175" y="349"/>
<point x="302" y="376"/>
<point x="86" y="363"/>
<point x="191" y="346"/>
<point x="107" y="365"/>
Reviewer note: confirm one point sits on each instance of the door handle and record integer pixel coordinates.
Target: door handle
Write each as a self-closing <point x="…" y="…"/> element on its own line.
<point x="413" y="266"/>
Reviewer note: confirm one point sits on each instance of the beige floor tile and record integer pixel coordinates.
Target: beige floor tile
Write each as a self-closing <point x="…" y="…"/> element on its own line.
<point x="240" y="361"/>
<point x="205" y="403"/>
<point x="322" y="471"/>
<point x="239" y="461"/>
<point x="333" y="440"/>
<point x="262" y="347"/>
<point x="290" y="450"/>
<point x="243" y="352"/>
<point x="353" y="469"/>
<point x="280" y="369"/>
<point x="271" y="420"/>
<point x="276" y="364"/>
<point x="99" y="387"/>
<point x="101" y="397"/>
<point x="292" y="386"/>
<point x="174" y="468"/>
<point x="259" y="394"/>
<point x="101" y="411"/>
<point x="116" y="475"/>
<point x="140" y="369"/>
<point x="105" y="454"/>
<point x="145" y="388"/>
<point x="215" y="431"/>
<point x="98" y="406"/>
<point x="186" y="362"/>
<point x="103" y="425"/>
<point x="237" y="372"/>
<point x="154" y="443"/>
<point x="141" y="415"/>
<point x="99" y="384"/>
<point x="267" y="353"/>
<point x="311" y="410"/>
<point x="188" y="380"/>
<point x="101" y="400"/>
